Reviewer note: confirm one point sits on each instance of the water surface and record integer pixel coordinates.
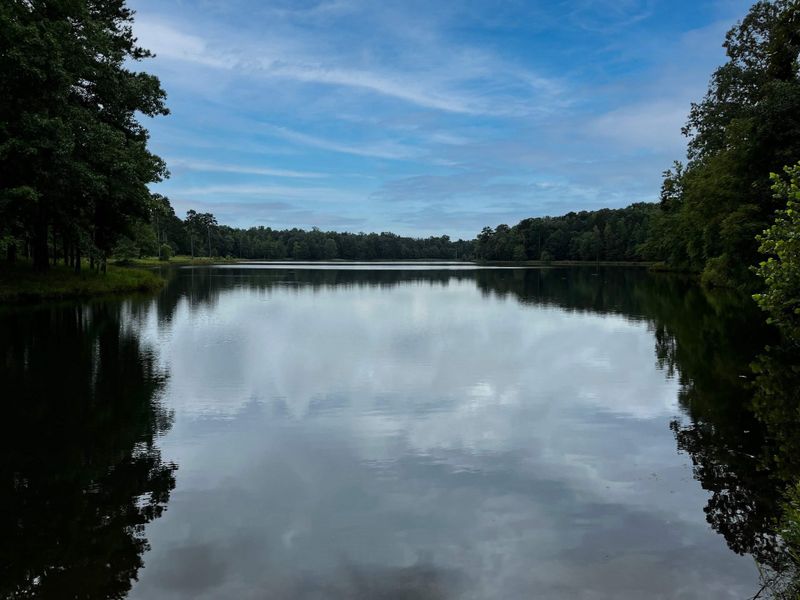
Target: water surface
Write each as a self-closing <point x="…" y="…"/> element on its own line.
<point x="367" y="431"/>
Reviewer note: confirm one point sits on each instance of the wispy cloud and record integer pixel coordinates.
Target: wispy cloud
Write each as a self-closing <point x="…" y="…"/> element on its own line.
<point x="272" y="213"/>
<point x="395" y="85"/>
<point x="317" y="194"/>
<point x="649" y="125"/>
<point x="609" y="16"/>
<point x="388" y="150"/>
<point x="171" y="43"/>
<point x="447" y="83"/>
<point x="212" y="167"/>
<point x="425" y="117"/>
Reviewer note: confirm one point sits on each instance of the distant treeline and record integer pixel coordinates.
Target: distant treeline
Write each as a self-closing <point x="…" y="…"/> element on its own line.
<point x="607" y="234"/>
<point x="199" y="234"/>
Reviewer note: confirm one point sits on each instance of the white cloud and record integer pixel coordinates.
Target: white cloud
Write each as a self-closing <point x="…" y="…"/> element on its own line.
<point x="170" y="43"/>
<point x="197" y="165"/>
<point x="389" y="150"/>
<point x="393" y="85"/>
<point x="651" y="125"/>
<point x="443" y="84"/>
<point x="320" y="194"/>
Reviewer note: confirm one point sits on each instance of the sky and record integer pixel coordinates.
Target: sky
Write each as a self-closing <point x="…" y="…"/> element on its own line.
<point x="419" y="117"/>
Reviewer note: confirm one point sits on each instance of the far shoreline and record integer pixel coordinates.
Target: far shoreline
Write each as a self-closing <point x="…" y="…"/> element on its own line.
<point x="20" y="284"/>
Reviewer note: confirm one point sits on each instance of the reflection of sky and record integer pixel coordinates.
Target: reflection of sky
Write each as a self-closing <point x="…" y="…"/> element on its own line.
<point x="364" y="440"/>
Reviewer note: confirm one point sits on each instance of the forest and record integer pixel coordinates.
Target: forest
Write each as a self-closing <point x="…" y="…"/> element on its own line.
<point x="199" y="234"/>
<point x="607" y="234"/>
<point x="76" y="171"/>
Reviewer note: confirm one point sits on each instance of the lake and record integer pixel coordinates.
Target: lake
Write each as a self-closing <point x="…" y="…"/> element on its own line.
<point x="386" y="431"/>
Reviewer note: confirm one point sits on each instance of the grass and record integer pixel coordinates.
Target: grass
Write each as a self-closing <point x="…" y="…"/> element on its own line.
<point x="665" y="268"/>
<point x="153" y="261"/>
<point x="20" y="283"/>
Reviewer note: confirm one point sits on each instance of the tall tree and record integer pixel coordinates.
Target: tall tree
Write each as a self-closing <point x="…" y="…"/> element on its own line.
<point x="199" y="227"/>
<point x="73" y="156"/>
<point x="746" y="126"/>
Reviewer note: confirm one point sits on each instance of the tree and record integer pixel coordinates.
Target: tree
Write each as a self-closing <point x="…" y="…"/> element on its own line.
<point x="781" y="270"/>
<point x="330" y="250"/>
<point x="199" y="226"/>
<point x="746" y="126"/>
<point x="74" y="161"/>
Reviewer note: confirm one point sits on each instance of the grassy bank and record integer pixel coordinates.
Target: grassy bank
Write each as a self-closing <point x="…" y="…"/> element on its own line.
<point x="20" y="283"/>
<point x="153" y="261"/>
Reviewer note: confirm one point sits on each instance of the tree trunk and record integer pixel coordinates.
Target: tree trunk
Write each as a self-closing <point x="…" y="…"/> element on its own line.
<point x="41" y="260"/>
<point x="77" y="259"/>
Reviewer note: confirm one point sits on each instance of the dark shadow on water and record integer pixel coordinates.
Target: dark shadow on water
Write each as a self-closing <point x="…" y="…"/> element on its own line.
<point x="80" y="469"/>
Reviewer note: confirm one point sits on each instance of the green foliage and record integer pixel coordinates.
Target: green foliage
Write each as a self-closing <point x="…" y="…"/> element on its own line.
<point x="198" y="227"/>
<point x="75" y="164"/>
<point x="607" y="234"/>
<point x="790" y="524"/>
<point x="330" y="250"/>
<point x="126" y="249"/>
<point x="144" y="238"/>
<point x="781" y="270"/>
<point x="777" y="401"/>
<point x="746" y="126"/>
<point x="166" y="252"/>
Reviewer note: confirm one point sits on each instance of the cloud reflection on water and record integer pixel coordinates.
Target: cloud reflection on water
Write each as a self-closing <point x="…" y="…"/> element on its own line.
<point x="424" y="441"/>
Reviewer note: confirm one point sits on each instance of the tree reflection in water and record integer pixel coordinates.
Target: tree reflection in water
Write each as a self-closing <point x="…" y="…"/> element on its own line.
<point x="80" y="469"/>
<point x="82" y="474"/>
<point x="740" y="394"/>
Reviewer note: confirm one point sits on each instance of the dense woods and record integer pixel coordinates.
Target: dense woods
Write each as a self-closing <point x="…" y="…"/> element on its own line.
<point x="607" y="234"/>
<point x="74" y="163"/>
<point x="746" y="127"/>
<point x="199" y="234"/>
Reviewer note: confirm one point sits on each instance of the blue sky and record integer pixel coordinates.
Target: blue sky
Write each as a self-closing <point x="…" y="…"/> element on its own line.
<point x="423" y="118"/>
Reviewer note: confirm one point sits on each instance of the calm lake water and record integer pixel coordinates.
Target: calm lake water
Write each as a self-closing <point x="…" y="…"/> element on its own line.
<point x="396" y="431"/>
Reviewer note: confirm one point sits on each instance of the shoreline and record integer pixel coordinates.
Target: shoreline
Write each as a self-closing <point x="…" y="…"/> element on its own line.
<point x="20" y="284"/>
